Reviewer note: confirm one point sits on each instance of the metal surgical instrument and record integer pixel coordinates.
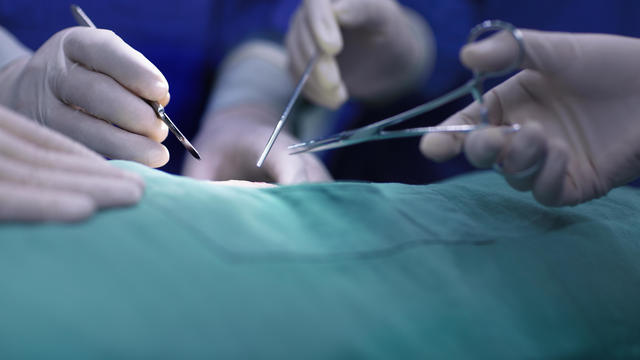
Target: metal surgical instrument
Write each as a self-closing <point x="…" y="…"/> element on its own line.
<point x="83" y="20"/>
<point x="376" y="131"/>
<point x="287" y="109"/>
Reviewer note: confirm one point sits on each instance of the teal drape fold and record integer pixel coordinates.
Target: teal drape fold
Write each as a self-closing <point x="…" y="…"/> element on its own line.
<point x="464" y="269"/>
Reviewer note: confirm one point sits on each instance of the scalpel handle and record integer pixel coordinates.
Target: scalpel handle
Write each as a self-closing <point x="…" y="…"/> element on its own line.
<point x="83" y="20"/>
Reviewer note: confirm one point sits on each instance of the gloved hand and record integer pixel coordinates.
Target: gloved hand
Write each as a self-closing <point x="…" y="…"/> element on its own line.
<point x="370" y="49"/>
<point x="232" y="142"/>
<point x="46" y="177"/>
<point x="81" y="82"/>
<point x="577" y="100"/>
<point x="252" y="89"/>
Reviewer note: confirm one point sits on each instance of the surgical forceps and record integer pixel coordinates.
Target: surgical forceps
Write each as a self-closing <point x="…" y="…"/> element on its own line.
<point x="287" y="110"/>
<point x="376" y="131"/>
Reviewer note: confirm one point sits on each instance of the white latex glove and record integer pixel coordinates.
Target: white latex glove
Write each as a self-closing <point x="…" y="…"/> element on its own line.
<point x="83" y="80"/>
<point x="232" y="142"/>
<point x="252" y="89"/>
<point x="370" y="49"/>
<point x="578" y="99"/>
<point x="45" y="176"/>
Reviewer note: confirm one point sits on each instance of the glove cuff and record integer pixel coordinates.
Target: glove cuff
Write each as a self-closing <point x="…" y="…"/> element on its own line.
<point x="405" y="56"/>
<point x="10" y="48"/>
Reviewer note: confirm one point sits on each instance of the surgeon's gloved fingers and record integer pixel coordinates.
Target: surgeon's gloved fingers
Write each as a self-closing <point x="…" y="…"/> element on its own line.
<point x="367" y="13"/>
<point x="31" y="153"/>
<point x="101" y="96"/>
<point x="329" y="98"/>
<point x="105" y="52"/>
<point x="307" y="169"/>
<point x="324" y="26"/>
<point x="350" y="13"/>
<point x="230" y="156"/>
<point x="549" y="52"/>
<point x="524" y="156"/>
<point x="286" y="169"/>
<point x="444" y="146"/>
<point x="325" y="86"/>
<point x="165" y="100"/>
<point x="300" y="44"/>
<point x="107" y="139"/>
<point x="483" y="147"/>
<point x="20" y="202"/>
<point x="89" y="167"/>
<point x="233" y="153"/>
<point x="326" y="76"/>
<point x="105" y="192"/>
<point x="441" y="147"/>
<point x="553" y="187"/>
<point x="494" y="53"/>
<point x="23" y="128"/>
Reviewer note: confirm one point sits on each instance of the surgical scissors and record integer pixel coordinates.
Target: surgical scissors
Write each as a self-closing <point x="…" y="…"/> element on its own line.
<point x="376" y="131"/>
